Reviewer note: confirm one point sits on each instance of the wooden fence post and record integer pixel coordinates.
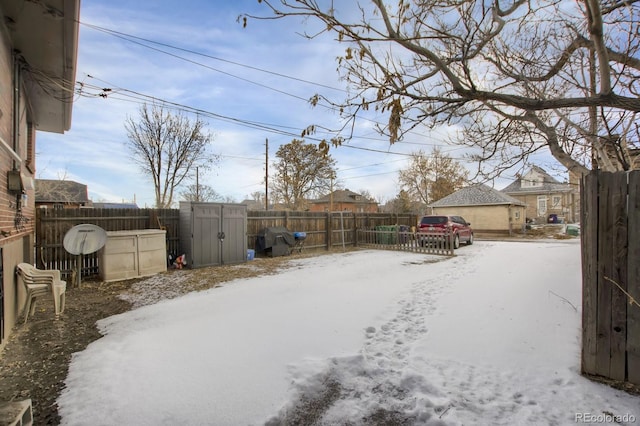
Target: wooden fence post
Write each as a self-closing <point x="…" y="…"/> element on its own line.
<point x="329" y="226"/>
<point x="589" y="241"/>
<point x="355" y="230"/>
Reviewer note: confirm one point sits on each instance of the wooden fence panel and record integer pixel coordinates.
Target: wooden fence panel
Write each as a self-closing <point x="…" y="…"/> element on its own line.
<point x="610" y="249"/>
<point x="633" y="281"/>
<point x="314" y="224"/>
<point x="53" y="224"/>
<point x="324" y="230"/>
<point x="342" y="229"/>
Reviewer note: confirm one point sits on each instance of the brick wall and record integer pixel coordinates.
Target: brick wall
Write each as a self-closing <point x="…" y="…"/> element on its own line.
<point x="17" y="213"/>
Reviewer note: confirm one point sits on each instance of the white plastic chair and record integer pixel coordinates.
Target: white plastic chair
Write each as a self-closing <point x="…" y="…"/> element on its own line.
<point x="39" y="282"/>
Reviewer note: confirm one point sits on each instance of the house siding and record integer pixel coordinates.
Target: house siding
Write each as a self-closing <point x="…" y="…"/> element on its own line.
<point x="498" y="219"/>
<point x="538" y="185"/>
<point x="343" y="200"/>
<point x="565" y="209"/>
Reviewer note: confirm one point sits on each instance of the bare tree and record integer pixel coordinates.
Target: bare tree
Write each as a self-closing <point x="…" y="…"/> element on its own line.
<point x="365" y="193"/>
<point x="403" y="203"/>
<point x="200" y="193"/>
<point x="260" y="198"/>
<point x="516" y="76"/>
<point x="301" y="171"/>
<point x="168" y="147"/>
<point x="431" y="177"/>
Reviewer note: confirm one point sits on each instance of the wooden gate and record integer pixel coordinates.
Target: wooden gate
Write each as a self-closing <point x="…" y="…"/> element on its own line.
<point x="396" y="237"/>
<point x="610" y="228"/>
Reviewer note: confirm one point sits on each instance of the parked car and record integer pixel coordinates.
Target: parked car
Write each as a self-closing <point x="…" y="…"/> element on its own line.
<point x="439" y="224"/>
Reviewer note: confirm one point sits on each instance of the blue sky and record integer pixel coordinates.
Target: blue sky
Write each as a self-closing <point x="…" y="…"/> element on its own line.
<point x="235" y="74"/>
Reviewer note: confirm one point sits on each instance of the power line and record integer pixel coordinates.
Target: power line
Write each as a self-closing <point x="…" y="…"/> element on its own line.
<point x="139" y="97"/>
<point x="104" y="92"/>
<point x="371" y="165"/>
<point x="132" y="39"/>
<point x="126" y="36"/>
<point x="271" y="128"/>
<point x="369" y="175"/>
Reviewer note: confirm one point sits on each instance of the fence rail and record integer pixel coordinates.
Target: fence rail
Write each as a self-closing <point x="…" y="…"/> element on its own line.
<point x="325" y="230"/>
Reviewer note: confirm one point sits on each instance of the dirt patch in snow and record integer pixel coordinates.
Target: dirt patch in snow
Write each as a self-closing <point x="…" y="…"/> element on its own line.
<point x="35" y="360"/>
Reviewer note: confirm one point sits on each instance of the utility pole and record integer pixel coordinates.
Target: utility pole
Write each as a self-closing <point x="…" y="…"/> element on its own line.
<point x="266" y="175"/>
<point x="197" y="186"/>
<point x="331" y="195"/>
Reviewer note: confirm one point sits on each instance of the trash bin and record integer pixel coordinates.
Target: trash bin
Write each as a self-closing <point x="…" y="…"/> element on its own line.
<point x="404" y="229"/>
<point x="386" y="234"/>
<point x="573" y="230"/>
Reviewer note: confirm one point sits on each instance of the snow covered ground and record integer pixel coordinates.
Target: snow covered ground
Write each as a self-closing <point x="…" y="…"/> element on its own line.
<point x="489" y="337"/>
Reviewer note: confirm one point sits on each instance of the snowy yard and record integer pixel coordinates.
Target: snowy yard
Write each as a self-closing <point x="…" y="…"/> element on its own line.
<point x="489" y="337"/>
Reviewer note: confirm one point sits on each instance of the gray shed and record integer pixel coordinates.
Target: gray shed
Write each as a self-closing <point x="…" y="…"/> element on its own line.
<point x="213" y="233"/>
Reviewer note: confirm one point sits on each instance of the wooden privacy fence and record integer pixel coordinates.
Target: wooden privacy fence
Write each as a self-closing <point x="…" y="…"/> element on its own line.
<point x="324" y="230"/>
<point x="53" y="224"/>
<point x="610" y="228"/>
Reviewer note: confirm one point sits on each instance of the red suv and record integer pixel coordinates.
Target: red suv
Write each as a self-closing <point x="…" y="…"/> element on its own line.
<point x="436" y="224"/>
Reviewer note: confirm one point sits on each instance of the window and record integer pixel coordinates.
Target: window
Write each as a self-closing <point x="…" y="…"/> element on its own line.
<point x="531" y="181"/>
<point x="556" y="201"/>
<point x="542" y="205"/>
<point x="433" y="220"/>
<point x="516" y="215"/>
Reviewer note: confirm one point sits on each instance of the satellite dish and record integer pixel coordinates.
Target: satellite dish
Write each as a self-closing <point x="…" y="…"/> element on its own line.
<point x="84" y="239"/>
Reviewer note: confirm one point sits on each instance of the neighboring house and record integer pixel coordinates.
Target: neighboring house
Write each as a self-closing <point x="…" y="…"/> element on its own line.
<point x="38" y="49"/>
<point x="545" y="196"/>
<point x="253" y="204"/>
<point x="343" y="200"/>
<point x="488" y="210"/>
<point x="60" y="194"/>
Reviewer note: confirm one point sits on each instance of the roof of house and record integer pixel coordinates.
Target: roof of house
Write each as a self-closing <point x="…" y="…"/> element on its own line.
<point x="476" y="195"/>
<point x="60" y="191"/>
<point x="344" y="196"/>
<point x="46" y="36"/>
<point x="549" y="184"/>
